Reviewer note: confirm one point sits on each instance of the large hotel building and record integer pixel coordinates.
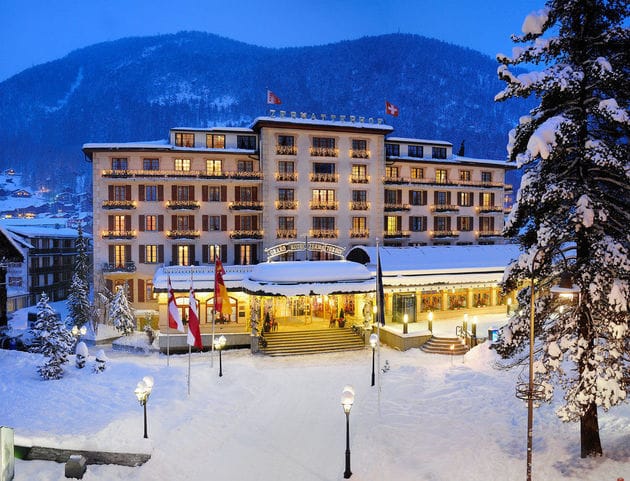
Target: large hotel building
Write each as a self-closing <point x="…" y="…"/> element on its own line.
<point x="239" y="193"/>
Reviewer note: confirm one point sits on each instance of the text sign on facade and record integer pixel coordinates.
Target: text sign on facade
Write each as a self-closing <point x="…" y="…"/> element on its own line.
<point x="288" y="247"/>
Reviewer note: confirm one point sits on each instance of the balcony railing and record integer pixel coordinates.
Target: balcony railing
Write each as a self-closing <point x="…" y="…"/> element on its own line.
<point x="254" y="175"/>
<point x="246" y="234"/>
<point x="182" y="204"/>
<point x="359" y="179"/>
<point x="214" y="175"/>
<point x="395" y="180"/>
<point x="119" y="204"/>
<point x="324" y="152"/>
<point x="359" y="153"/>
<point x="324" y="205"/>
<point x="246" y="205"/>
<point x="444" y="208"/>
<point x="491" y="208"/>
<point x="396" y="234"/>
<point x="324" y="233"/>
<point x="182" y="234"/>
<point x="387" y="207"/>
<point x="286" y="176"/>
<point x="286" y="204"/>
<point x="128" y="266"/>
<point x="324" y="177"/>
<point x="202" y="174"/>
<point x="286" y="150"/>
<point x="359" y="205"/>
<point x="444" y="233"/>
<point x="286" y="234"/>
<point x="490" y="233"/>
<point x="359" y="233"/>
<point x="118" y="234"/>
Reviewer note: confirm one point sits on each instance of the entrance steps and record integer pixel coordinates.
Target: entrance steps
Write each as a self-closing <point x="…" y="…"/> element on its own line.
<point x="442" y="345"/>
<point x="312" y="341"/>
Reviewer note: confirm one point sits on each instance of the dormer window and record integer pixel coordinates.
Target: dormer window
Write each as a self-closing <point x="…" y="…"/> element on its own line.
<point x="215" y="141"/>
<point x="184" y="139"/>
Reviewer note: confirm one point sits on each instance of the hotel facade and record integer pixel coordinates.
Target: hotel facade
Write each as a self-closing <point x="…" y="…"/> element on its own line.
<point x="289" y="188"/>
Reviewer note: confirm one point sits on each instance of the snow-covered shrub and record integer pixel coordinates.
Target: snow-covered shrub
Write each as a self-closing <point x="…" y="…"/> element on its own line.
<point x="100" y="361"/>
<point x="81" y="355"/>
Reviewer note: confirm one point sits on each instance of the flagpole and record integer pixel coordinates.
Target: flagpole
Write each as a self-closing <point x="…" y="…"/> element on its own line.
<point x="189" y="307"/>
<point x="168" y="342"/>
<point x="378" y="325"/>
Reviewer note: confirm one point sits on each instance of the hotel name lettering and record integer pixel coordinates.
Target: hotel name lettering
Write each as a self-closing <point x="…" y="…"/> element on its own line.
<point x="303" y="246"/>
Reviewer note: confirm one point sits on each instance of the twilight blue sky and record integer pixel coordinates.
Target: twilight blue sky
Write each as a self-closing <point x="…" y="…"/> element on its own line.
<point x="37" y="31"/>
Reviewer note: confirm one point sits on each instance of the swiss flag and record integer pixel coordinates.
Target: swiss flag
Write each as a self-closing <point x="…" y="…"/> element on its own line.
<point x="273" y="98"/>
<point x="391" y="109"/>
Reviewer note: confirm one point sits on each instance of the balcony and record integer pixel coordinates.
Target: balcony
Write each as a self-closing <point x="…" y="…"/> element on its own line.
<point x="182" y="234"/>
<point x="119" y="204"/>
<point x="118" y="234"/>
<point x="324" y="177"/>
<point x="286" y="204"/>
<point x="359" y="233"/>
<point x="396" y="234"/>
<point x="359" y="205"/>
<point x="359" y="179"/>
<point x="286" y="176"/>
<point x="440" y="234"/>
<point x="323" y="233"/>
<point x="286" y="150"/>
<point x="182" y="204"/>
<point x="246" y="234"/>
<point x="395" y="180"/>
<point x="324" y="205"/>
<point x="387" y="207"/>
<point x="490" y="233"/>
<point x="444" y="208"/>
<point x="324" y="152"/>
<point x="360" y="153"/>
<point x="128" y="266"/>
<point x="246" y="205"/>
<point x="253" y="175"/>
<point x="286" y="234"/>
<point x="214" y="175"/>
<point x="490" y="208"/>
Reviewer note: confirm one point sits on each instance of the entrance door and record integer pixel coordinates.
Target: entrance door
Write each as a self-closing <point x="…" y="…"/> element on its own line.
<point x="404" y="303"/>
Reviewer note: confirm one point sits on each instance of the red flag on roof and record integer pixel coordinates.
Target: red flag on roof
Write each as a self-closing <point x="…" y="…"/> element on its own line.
<point x="273" y="98"/>
<point x="194" y="333"/>
<point x="391" y="109"/>
<point x="174" y="319"/>
<point x="221" y="297"/>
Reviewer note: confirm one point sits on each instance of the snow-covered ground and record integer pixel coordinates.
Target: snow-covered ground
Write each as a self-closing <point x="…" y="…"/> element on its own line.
<point x="434" y="418"/>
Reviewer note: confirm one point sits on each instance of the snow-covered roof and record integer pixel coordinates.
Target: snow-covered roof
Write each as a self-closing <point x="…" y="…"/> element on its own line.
<point x="214" y="129"/>
<point x="310" y="121"/>
<point x="148" y="144"/>
<point x="409" y="140"/>
<point x="15" y="243"/>
<point x="42" y="231"/>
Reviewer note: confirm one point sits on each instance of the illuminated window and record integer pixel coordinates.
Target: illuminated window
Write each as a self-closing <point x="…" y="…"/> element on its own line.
<point x="150" y="222"/>
<point x="464" y="175"/>
<point x="151" y="254"/>
<point x="182" y="165"/>
<point x="183" y="255"/>
<point x="391" y="171"/>
<point x="417" y="173"/>
<point x="214" y="167"/>
<point x="183" y="139"/>
<point x="215" y="141"/>
<point x="464" y="199"/>
<point x="441" y="176"/>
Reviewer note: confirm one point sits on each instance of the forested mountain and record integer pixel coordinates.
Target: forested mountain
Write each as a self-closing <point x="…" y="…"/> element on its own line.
<point x="137" y="88"/>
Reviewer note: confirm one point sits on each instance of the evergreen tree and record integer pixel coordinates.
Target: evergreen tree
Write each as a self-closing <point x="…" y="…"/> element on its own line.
<point x="52" y="339"/>
<point x="574" y="199"/>
<point x="79" y="308"/>
<point x="120" y="312"/>
<point x="82" y="260"/>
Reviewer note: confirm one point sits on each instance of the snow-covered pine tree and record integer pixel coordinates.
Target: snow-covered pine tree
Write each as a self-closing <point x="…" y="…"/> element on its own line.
<point x="52" y="339"/>
<point x="120" y="312"/>
<point x="574" y="195"/>
<point x="79" y="308"/>
<point x="82" y="260"/>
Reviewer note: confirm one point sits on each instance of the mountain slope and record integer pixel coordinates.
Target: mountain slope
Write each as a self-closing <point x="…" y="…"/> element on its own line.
<point x="138" y="88"/>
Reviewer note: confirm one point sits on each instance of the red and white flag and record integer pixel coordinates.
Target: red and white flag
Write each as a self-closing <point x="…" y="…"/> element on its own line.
<point x="273" y="98"/>
<point x="221" y="297"/>
<point x="391" y="109"/>
<point x="194" y="333"/>
<point x="174" y="319"/>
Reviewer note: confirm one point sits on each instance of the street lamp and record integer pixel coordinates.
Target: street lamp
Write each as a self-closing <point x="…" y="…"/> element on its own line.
<point x="219" y="344"/>
<point x="405" y="322"/>
<point x="431" y="321"/>
<point x="347" y="399"/>
<point x="143" y="391"/>
<point x="531" y="391"/>
<point x="373" y="343"/>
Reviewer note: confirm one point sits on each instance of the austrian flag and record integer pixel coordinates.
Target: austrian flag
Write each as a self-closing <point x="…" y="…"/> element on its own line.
<point x="174" y="319"/>
<point x="194" y="333"/>
<point x="391" y="109"/>
<point x="273" y="98"/>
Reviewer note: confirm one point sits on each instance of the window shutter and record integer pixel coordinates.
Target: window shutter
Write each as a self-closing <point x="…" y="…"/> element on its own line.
<point x="110" y="222"/>
<point x="127" y="223"/>
<point x="459" y="223"/>
<point x="161" y="253"/>
<point x="191" y="222"/>
<point x="109" y="284"/>
<point x="480" y="198"/>
<point x="411" y="221"/>
<point x="191" y="250"/>
<point x="424" y="197"/>
<point x="127" y="192"/>
<point x="141" y="223"/>
<point x="160" y="190"/>
<point x="141" y="192"/>
<point x="173" y="222"/>
<point x="140" y="290"/>
<point x="237" y="194"/>
<point x="130" y="289"/>
<point x="110" y="192"/>
<point x="398" y="223"/>
<point x="435" y="197"/>
<point x="160" y="225"/>
<point x="204" y="254"/>
<point x="399" y="196"/>
<point x="237" y="222"/>
<point x="112" y="257"/>
<point x="255" y="194"/>
<point x="224" y="222"/>
<point x="174" y="192"/>
<point x="204" y="193"/>
<point x="224" y="253"/>
<point x="141" y="251"/>
<point x="448" y="198"/>
<point x="254" y="254"/>
<point x="204" y="223"/>
<point x="411" y="197"/>
<point x="191" y="192"/>
<point x="223" y="193"/>
<point x="424" y="223"/>
<point x="128" y="253"/>
<point x="492" y="199"/>
<point x="254" y="223"/>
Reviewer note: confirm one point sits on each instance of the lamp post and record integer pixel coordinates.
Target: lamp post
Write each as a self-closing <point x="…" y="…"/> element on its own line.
<point x="431" y="321"/>
<point x="373" y="344"/>
<point x="219" y="344"/>
<point x="473" y="337"/>
<point x="531" y="391"/>
<point x="347" y="399"/>
<point x="405" y="322"/>
<point x="77" y="332"/>
<point x="143" y="391"/>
